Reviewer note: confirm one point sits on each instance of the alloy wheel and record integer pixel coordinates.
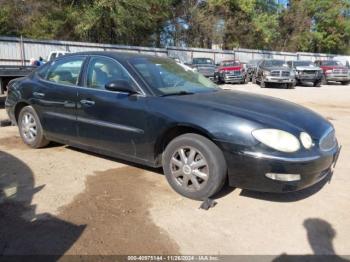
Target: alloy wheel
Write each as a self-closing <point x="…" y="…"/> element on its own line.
<point x="189" y="168"/>
<point x="29" y="127"/>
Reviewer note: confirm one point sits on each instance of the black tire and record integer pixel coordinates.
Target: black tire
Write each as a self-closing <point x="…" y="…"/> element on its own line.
<point x="216" y="169"/>
<point x="39" y="140"/>
<point x="317" y="83"/>
<point x="344" y="83"/>
<point x="291" y="86"/>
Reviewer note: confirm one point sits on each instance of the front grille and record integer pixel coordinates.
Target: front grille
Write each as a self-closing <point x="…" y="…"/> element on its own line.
<point x="309" y="72"/>
<point x="328" y="141"/>
<point x="285" y="73"/>
<point x="275" y="73"/>
<point x="340" y="71"/>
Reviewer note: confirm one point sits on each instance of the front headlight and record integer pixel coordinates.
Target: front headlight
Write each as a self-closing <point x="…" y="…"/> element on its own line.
<point x="306" y="140"/>
<point x="266" y="73"/>
<point x="277" y="139"/>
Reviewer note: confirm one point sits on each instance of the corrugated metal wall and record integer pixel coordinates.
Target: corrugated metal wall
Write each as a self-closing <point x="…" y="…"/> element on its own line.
<point x="14" y="50"/>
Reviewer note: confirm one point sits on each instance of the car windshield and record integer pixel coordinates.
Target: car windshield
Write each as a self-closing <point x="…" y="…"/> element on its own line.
<point x="203" y="61"/>
<point x="230" y="63"/>
<point x="332" y="63"/>
<point x="274" y="63"/>
<point x="166" y="77"/>
<point x="253" y="62"/>
<point x="303" y="63"/>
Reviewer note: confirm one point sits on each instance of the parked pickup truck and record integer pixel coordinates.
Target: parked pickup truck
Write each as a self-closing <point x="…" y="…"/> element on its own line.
<point x="9" y="72"/>
<point x="306" y="71"/>
<point x="205" y="66"/>
<point x="230" y="71"/>
<point x="274" y="73"/>
<point x="334" y="71"/>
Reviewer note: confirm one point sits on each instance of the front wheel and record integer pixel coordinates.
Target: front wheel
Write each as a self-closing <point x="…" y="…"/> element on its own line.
<point x="30" y="128"/>
<point x="194" y="166"/>
<point x="262" y="84"/>
<point x="317" y="84"/>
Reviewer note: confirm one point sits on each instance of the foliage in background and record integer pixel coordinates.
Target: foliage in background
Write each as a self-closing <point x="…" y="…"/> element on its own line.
<point x="303" y="25"/>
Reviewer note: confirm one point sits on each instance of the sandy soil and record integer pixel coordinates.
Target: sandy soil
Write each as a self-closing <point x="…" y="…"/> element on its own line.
<point x="81" y="203"/>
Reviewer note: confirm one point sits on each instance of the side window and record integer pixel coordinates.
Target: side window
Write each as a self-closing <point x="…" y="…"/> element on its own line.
<point x="42" y="71"/>
<point x="104" y="70"/>
<point x="65" y="71"/>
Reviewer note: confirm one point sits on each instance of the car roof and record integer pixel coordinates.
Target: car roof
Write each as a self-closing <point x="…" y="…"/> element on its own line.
<point x="113" y="54"/>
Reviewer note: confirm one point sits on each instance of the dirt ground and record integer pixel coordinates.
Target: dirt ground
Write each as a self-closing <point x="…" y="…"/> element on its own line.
<point x="60" y="200"/>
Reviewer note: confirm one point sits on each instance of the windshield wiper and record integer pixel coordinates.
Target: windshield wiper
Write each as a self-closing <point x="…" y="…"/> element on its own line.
<point x="180" y="93"/>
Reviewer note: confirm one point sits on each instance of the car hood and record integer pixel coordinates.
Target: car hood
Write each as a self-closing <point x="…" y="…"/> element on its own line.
<point x="267" y="112"/>
<point x="307" y="68"/>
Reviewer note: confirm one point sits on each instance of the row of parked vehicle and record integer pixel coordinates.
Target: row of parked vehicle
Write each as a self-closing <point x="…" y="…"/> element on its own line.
<point x="273" y="72"/>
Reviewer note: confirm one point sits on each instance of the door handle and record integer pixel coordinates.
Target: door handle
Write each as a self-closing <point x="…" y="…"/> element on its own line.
<point x="87" y="102"/>
<point x="37" y="94"/>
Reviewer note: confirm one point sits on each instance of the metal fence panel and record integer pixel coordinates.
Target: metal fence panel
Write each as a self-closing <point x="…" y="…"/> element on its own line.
<point x="14" y="50"/>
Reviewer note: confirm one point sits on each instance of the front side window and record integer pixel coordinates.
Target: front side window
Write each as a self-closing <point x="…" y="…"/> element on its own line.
<point x="65" y="71"/>
<point x="104" y="70"/>
<point x="167" y="77"/>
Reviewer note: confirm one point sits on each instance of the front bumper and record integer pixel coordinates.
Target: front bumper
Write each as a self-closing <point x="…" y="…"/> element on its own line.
<point x="309" y="78"/>
<point x="279" y="80"/>
<point x="248" y="169"/>
<point x="337" y="78"/>
<point x="231" y="78"/>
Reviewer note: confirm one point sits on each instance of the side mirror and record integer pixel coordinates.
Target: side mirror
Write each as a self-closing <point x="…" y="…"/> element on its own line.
<point x="120" y="86"/>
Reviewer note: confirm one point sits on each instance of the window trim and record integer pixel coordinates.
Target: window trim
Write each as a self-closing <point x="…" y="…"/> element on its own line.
<point x="66" y="58"/>
<point x="87" y="67"/>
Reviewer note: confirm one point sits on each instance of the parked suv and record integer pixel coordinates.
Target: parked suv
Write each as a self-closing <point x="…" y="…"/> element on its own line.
<point x="274" y="73"/>
<point x="334" y="71"/>
<point x="306" y="71"/>
<point x="230" y="71"/>
<point x="205" y="66"/>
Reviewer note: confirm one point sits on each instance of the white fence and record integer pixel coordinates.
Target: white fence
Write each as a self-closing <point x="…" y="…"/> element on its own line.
<point x="17" y="51"/>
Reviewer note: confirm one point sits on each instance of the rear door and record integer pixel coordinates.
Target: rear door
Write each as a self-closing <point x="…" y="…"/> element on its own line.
<point x="110" y="121"/>
<point x="56" y="97"/>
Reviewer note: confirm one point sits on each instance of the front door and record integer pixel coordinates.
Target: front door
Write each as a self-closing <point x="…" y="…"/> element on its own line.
<point x="113" y="122"/>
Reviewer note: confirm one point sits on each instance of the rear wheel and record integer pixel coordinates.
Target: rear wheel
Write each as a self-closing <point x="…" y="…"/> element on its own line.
<point x="30" y="128"/>
<point x="194" y="166"/>
<point x="344" y="83"/>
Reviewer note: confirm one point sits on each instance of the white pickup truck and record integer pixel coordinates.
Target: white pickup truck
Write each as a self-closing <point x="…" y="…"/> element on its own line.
<point x="55" y="54"/>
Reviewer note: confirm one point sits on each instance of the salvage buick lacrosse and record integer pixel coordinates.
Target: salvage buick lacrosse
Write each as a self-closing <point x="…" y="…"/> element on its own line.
<point x="156" y="112"/>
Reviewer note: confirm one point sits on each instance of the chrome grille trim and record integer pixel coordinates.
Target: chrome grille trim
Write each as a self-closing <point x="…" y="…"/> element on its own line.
<point x="275" y="73"/>
<point x="285" y="73"/>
